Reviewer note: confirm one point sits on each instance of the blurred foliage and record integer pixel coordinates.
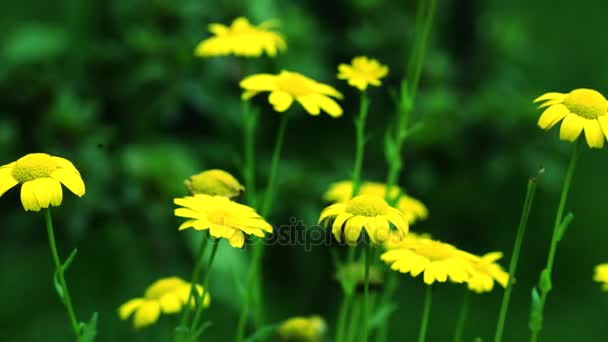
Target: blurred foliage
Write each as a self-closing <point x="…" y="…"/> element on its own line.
<point x="113" y="86"/>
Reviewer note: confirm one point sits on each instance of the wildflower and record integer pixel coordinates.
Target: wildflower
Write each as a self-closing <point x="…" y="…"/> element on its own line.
<point x="41" y="176"/>
<point x="224" y="218"/>
<point x="362" y="71"/>
<point x="287" y="86"/>
<point x="486" y="271"/>
<point x="601" y="275"/>
<point x="437" y="261"/>
<point x="580" y="109"/>
<point x="303" y="329"/>
<point x="215" y="183"/>
<point x="166" y="295"/>
<point x="363" y="211"/>
<point x="412" y="208"/>
<point x="241" y="39"/>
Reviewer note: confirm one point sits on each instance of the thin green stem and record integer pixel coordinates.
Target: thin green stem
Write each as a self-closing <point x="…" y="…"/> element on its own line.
<point x="462" y="317"/>
<point x="200" y="306"/>
<point x="428" y="298"/>
<point x="59" y="270"/>
<point x="545" y="282"/>
<point x="274" y="166"/>
<point x="367" y="255"/>
<point x="346" y="301"/>
<point x="521" y="230"/>
<point x="354" y="321"/>
<point x="387" y="294"/>
<point x="249" y="124"/>
<point x="360" y="143"/>
<point x="253" y="271"/>
<point x="198" y="263"/>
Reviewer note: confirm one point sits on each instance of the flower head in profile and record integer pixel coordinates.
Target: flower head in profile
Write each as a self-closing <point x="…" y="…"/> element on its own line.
<point x="222" y="217"/>
<point x="362" y="72"/>
<point x="215" y="183"/>
<point x="579" y="110"/>
<point x="166" y="295"/>
<point x="412" y="208"/>
<point x="288" y="86"/>
<point x="303" y="329"/>
<point x="434" y="260"/>
<point x="601" y="275"/>
<point x="241" y="39"/>
<point x="367" y="212"/>
<point x="41" y="176"/>
<point x="485" y="272"/>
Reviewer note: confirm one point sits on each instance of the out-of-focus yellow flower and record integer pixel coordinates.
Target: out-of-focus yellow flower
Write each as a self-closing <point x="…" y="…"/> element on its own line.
<point x="303" y="329"/>
<point x="437" y="261"/>
<point x="367" y="212"/>
<point x="485" y="272"/>
<point x="41" y="176"/>
<point x="241" y="39"/>
<point x="601" y="275"/>
<point x="354" y="273"/>
<point x="215" y="183"/>
<point x="362" y="72"/>
<point x="580" y="109"/>
<point x="412" y="208"/>
<point x="166" y="295"/>
<point x="222" y="217"/>
<point x="287" y="86"/>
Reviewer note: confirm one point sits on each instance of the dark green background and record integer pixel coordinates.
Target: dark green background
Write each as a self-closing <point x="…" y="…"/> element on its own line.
<point x="113" y="86"/>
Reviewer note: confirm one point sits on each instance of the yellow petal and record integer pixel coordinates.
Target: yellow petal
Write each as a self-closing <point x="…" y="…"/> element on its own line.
<point x="280" y="100"/>
<point x="237" y="240"/>
<point x="571" y="127"/>
<point x="552" y="115"/>
<point x="52" y="192"/>
<point x="309" y="103"/>
<point x="550" y="96"/>
<point x="593" y="133"/>
<point x="65" y="164"/>
<point x="7" y="180"/>
<point x="147" y="314"/>
<point x="260" y="82"/>
<point x="330" y="106"/>
<point x="28" y="196"/>
<point x="125" y="310"/>
<point x="217" y="29"/>
<point x="71" y="180"/>
<point x="170" y="303"/>
<point x="603" y="120"/>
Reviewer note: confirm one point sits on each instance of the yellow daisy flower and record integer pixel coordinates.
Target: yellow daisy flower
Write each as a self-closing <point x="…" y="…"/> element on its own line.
<point x="215" y="183"/>
<point x="41" y="176"/>
<point x="241" y="39"/>
<point x="166" y="295"/>
<point x="601" y="275"/>
<point x="412" y="208"/>
<point x="287" y="86"/>
<point x="224" y="218"/>
<point x="362" y="71"/>
<point x="364" y="211"/>
<point x="437" y="261"/>
<point x="486" y="271"/>
<point x="304" y="329"/>
<point x="580" y="109"/>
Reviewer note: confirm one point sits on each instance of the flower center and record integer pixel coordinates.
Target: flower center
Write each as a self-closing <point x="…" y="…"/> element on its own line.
<point x="34" y="166"/>
<point x="587" y="103"/>
<point x="435" y="250"/>
<point x="294" y="83"/>
<point x="365" y="205"/>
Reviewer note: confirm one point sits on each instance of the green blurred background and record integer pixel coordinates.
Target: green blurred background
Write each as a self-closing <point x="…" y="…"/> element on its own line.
<point x="113" y="86"/>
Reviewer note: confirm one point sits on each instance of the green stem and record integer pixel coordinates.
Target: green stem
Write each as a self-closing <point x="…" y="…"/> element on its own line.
<point x="389" y="291"/>
<point x="201" y="306"/>
<point x="462" y="317"/>
<point x="274" y="166"/>
<point x="253" y="271"/>
<point x="193" y="281"/>
<point x="347" y="300"/>
<point x="360" y="136"/>
<point x="521" y="230"/>
<point x="545" y="283"/>
<point x="249" y="124"/>
<point x="354" y="321"/>
<point x="426" y="313"/>
<point x="59" y="270"/>
<point x="367" y="251"/>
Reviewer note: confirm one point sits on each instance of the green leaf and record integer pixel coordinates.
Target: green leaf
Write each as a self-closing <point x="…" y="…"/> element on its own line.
<point x="69" y="260"/>
<point x="561" y="230"/>
<point x="262" y="334"/>
<point x="544" y="283"/>
<point x="88" y="330"/>
<point x="202" y="329"/>
<point x="536" y="315"/>
<point x="58" y="287"/>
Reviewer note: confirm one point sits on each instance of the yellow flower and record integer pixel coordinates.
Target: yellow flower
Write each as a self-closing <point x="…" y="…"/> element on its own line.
<point x="580" y="109"/>
<point x="437" y="261"/>
<point x="362" y="71"/>
<point x="303" y="329"/>
<point x="166" y="295"/>
<point x="411" y="207"/>
<point x="486" y="271"/>
<point x="41" y="176"/>
<point x="224" y="218"/>
<point x="215" y="183"/>
<point x="363" y="211"/>
<point x="287" y="86"/>
<point x="241" y="39"/>
<point x="601" y="275"/>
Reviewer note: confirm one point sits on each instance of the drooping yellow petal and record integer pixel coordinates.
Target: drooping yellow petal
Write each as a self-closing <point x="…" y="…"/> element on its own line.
<point x="552" y="115"/>
<point x="28" y="196"/>
<point x="237" y="240"/>
<point x="48" y="191"/>
<point x="7" y="180"/>
<point x="571" y="127"/>
<point x="147" y="314"/>
<point x="71" y="180"/>
<point x="330" y="106"/>
<point x="280" y="100"/>
<point x="352" y="229"/>
<point x="594" y="134"/>
<point x="310" y="104"/>
<point x="603" y="120"/>
<point x="170" y="303"/>
<point x="260" y="82"/>
<point x="550" y="96"/>
<point x="125" y="310"/>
